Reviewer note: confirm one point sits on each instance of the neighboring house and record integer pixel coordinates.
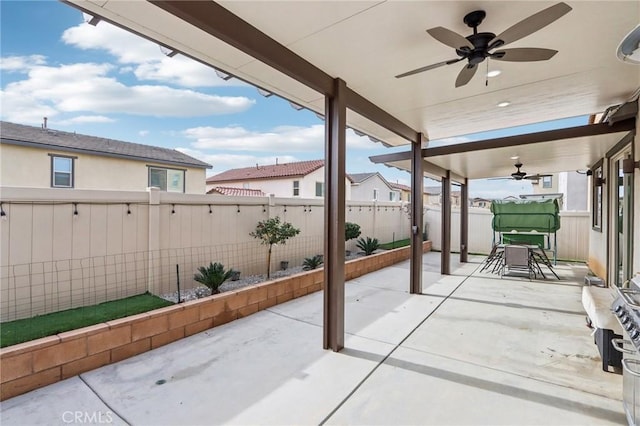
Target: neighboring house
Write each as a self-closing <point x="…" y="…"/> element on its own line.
<point x="236" y="192"/>
<point x="372" y="187"/>
<point x="303" y="179"/>
<point x="36" y="157"/>
<point x="432" y="196"/>
<point x="405" y="191"/>
<point x="484" y="203"/>
<point x="511" y="198"/>
<point x="545" y="196"/>
<point x="573" y="186"/>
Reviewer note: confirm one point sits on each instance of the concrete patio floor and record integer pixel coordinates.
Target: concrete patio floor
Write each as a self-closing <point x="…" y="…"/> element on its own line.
<point x="473" y="349"/>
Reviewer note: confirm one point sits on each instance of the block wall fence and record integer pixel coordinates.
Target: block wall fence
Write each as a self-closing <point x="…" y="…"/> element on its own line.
<point x="31" y="365"/>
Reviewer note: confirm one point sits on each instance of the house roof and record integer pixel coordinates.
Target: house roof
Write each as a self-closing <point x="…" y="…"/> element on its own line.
<point x="400" y="186"/>
<point x="236" y="192"/>
<point x="37" y="137"/>
<point x="357" y="178"/>
<point x="436" y="190"/>
<point x="270" y="171"/>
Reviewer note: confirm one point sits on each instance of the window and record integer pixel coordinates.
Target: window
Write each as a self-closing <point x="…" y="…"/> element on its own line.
<point x="62" y="171"/>
<point x="547" y="181"/>
<point x="296" y="188"/>
<point x="319" y="189"/>
<point x="170" y="180"/>
<point x="596" y="197"/>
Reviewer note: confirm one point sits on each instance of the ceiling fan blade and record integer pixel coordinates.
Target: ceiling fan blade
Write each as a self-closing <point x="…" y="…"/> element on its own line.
<point x="428" y="67"/>
<point x="524" y="54"/>
<point x="536" y="177"/>
<point x="531" y="24"/>
<point x="450" y="38"/>
<point x="466" y="74"/>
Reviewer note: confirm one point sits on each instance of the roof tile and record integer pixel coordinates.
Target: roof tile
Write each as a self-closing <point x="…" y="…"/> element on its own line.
<point x="301" y="168"/>
<point x="20" y="134"/>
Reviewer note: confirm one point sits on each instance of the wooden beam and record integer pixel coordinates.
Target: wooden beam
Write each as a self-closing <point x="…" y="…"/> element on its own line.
<point x="464" y="221"/>
<point x="517" y="140"/>
<point x="217" y="21"/>
<point x="334" y="217"/>
<point x="445" y="249"/>
<point x="417" y="200"/>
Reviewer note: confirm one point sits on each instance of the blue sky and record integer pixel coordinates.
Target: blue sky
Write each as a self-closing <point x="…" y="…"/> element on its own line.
<point x="106" y="82"/>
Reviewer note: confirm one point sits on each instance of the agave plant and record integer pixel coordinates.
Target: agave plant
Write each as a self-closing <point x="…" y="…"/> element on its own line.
<point x="310" y="263"/>
<point x="368" y="245"/>
<point x="213" y="276"/>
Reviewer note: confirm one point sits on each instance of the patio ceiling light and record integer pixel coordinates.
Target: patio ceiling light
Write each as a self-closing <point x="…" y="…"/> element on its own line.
<point x="494" y="73"/>
<point x="504" y="104"/>
<point x="223" y="75"/>
<point x="168" y="52"/>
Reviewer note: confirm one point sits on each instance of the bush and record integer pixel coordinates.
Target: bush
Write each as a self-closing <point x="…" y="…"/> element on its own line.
<point x="271" y="232"/>
<point x="213" y="276"/>
<point x="310" y="263"/>
<point x="368" y="246"/>
<point x="351" y="231"/>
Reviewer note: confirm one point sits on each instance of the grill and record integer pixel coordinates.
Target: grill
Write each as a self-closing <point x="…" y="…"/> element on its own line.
<point x="626" y="308"/>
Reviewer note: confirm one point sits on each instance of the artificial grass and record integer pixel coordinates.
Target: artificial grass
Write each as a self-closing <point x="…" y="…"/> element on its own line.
<point x="26" y="329"/>
<point x="395" y="244"/>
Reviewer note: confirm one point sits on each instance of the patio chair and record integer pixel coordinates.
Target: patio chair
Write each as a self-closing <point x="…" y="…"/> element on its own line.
<point x="517" y="258"/>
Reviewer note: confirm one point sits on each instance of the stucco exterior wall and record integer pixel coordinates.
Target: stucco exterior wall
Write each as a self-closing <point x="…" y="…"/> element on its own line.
<point x="28" y="167"/>
<point x="284" y="187"/>
<point x="364" y="190"/>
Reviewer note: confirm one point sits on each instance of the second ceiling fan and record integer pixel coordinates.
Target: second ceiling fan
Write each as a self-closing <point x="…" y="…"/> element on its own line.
<point x="479" y="46"/>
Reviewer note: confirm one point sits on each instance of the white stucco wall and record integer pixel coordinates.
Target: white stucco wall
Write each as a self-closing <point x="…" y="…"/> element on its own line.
<point x="284" y="187"/>
<point x="27" y="167"/>
<point x="363" y="191"/>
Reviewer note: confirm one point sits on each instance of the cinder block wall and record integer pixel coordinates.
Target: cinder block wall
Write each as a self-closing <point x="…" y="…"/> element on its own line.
<point x="31" y="365"/>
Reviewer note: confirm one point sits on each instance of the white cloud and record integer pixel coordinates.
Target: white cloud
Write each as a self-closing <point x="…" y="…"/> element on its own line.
<point x="21" y="63"/>
<point x="281" y="138"/>
<point x="143" y="133"/>
<point x="84" y="87"/>
<point x="222" y="162"/>
<point x="84" y="119"/>
<point x="144" y="58"/>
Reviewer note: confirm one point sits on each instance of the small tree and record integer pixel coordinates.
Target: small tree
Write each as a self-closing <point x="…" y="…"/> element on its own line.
<point x="272" y="231"/>
<point x="213" y="276"/>
<point x="351" y="231"/>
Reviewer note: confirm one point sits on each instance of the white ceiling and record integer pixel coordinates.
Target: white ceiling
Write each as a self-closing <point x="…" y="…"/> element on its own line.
<point x="367" y="43"/>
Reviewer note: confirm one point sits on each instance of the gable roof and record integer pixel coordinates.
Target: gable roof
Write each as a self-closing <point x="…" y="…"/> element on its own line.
<point x="400" y="186"/>
<point x="19" y="134"/>
<point x="271" y="171"/>
<point x="357" y="178"/>
<point x="361" y="177"/>
<point x="236" y="192"/>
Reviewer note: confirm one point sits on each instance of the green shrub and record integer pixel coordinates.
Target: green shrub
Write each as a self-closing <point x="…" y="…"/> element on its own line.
<point x="351" y="231"/>
<point x="213" y="276"/>
<point x="310" y="263"/>
<point x="271" y="232"/>
<point x="368" y="245"/>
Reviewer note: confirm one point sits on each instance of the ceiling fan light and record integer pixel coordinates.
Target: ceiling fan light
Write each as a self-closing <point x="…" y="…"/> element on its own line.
<point x="494" y="73"/>
<point x="504" y="104"/>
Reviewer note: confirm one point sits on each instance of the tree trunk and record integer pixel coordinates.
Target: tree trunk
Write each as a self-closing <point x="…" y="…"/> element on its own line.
<point x="269" y="262"/>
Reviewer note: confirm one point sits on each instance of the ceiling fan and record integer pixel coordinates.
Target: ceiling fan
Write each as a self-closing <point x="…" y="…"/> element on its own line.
<point x="479" y="46"/>
<point x="520" y="175"/>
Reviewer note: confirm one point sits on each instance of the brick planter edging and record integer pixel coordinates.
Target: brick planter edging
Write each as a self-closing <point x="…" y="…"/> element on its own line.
<point x="31" y="365"/>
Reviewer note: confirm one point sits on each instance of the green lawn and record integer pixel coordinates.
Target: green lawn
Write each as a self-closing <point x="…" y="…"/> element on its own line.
<point x="395" y="244"/>
<point x="23" y="330"/>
